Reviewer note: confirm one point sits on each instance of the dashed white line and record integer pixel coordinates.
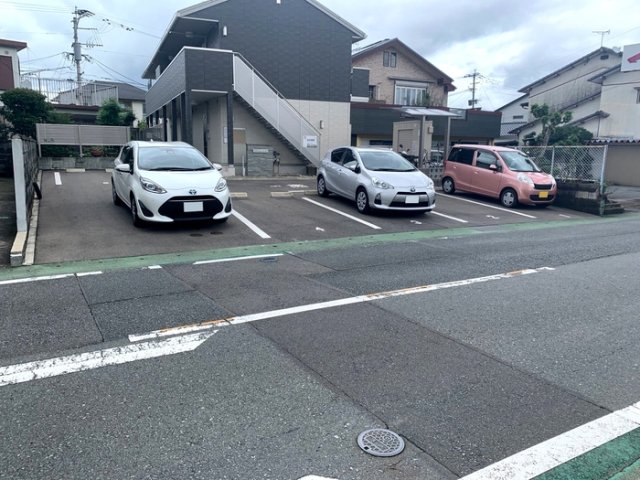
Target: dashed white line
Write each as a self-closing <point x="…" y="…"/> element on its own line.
<point x="488" y="206"/>
<point x="257" y="230"/>
<point x="455" y="219"/>
<point x="224" y="260"/>
<point x="564" y="216"/>
<point x="57" y="178"/>
<point x="350" y="217"/>
<point x="254" y="317"/>
<point x="88" y="274"/>
<point x="37" y="279"/>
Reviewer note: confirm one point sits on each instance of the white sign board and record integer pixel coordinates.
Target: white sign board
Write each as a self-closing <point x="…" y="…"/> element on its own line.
<point x="310" y="141"/>
<point x="631" y="58"/>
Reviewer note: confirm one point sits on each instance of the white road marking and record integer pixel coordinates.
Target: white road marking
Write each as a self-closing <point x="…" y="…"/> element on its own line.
<point x="36" y="279"/>
<point x="87" y="274"/>
<point x="455" y="219"/>
<point x="488" y="206"/>
<point x="298" y="186"/>
<point x="257" y="230"/>
<point x="547" y="455"/>
<point x="564" y="216"/>
<point x="253" y="317"/>
<point x="155" y="267"/>
<point x="223" y="260"/>
<point x="57" y="178"/>
<point x="415" y="222"/>
<point x="350" y="217"/>
<point x="53" y="367"/>
<point x="493" y="217"/>
<point x="318" y="229"/>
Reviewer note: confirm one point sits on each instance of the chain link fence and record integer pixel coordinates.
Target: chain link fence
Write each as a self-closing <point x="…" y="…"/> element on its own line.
<point x="580" y="163"/>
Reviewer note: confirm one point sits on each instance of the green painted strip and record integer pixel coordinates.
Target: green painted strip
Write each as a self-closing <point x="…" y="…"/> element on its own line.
<point x="289" y="247"/>
<point x="618" y="459"/>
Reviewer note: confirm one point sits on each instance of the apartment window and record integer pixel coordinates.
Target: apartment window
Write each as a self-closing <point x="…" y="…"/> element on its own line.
<point x="411" y="96"/>
<point x="637" y="95"/>
<point x="372" y="92"/>
<point x="389" y="59"/>
<point x="518" y="117"/>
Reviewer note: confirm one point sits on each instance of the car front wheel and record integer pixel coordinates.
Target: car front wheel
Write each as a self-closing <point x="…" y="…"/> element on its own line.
<point x="448" y="186"/>
<point x="322" y="187"/>
<point x="362" y="200"/>
<point x="509" y="198"/>
<point x="135" y="219"/>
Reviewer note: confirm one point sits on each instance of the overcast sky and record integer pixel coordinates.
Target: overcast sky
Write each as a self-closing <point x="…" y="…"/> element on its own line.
<point x="511" y="43"/>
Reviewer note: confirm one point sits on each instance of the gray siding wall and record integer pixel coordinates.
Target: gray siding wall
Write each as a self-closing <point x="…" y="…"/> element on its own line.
<point x="360" y="82"/>
<point x="303" y="52"/>
<point x="209" y="70"/>
<point x="169" y="85"/>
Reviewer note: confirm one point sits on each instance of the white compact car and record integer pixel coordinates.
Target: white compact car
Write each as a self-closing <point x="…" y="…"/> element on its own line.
<point x="168" y="182"/>
<point x="375" y="179"/>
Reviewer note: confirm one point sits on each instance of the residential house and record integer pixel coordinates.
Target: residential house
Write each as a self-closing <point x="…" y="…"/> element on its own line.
<point x="399" y="75"/>
<point x="10" y="64"/>
<point x="570" y="89"/>
<point x="259" y="86"/>
<point x="602" y="90"/>
<point x="388" y="76"/>
<point x="514" y="114"/>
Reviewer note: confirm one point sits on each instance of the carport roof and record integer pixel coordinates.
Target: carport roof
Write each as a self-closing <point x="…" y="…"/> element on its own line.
<point x="428" y="112"/>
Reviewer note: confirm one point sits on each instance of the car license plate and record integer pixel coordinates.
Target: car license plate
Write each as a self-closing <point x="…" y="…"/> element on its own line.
<point x="542" y="195"/>
<point x="193" y="206"/>
<point x="412" y="199"/>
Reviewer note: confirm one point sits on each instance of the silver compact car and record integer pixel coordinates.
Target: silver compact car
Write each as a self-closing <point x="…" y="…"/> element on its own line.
<point x="375" y="178"/>
<point x="168" y="182"/>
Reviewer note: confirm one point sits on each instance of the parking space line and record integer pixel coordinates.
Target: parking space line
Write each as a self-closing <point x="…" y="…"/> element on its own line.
<point x="224" y="260"/>
<point x="355" y="219"/>
<point x="36" y="279"/>
<point x="449" y="217"/>
<point x="488" y="206"/>
<point x="57" y="178"/>
<point x="257" y="230"/>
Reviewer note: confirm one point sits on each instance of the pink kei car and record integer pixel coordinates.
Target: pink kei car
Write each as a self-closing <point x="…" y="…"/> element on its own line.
<point x="499" y="172"/>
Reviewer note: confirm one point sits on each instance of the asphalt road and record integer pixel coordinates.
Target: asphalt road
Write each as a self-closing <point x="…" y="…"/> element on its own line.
<point x="471" y="370"/>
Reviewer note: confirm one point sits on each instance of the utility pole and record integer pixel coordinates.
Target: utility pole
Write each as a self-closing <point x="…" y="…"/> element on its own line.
<point x="77" y="46"/>
<point x="602" y="33"/>
<point x="474" y="75"/>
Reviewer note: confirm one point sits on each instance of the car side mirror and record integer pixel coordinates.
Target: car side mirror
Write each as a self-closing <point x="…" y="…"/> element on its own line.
<point x="124" y="168"/>
<point x="357" y="169"/>
<point x="494" y="167"/>
<point x="217" y="166"/>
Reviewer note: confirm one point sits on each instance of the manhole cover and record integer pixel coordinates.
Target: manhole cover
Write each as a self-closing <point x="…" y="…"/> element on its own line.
<point x="380" y="442"/>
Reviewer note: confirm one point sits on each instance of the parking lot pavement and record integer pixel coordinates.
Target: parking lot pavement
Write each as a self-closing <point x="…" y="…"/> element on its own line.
<point x="78" y="221"/>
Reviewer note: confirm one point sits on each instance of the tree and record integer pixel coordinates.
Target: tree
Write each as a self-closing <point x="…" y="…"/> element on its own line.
<point x="23" y="108"/>
<point x="112" y="113"/>
<point x="554" y="128"/>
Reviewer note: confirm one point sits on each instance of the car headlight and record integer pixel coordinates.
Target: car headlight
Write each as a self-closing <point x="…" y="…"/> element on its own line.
<point x="221" y="185"/>
<point x="381" y="184"/>
<point x="150" y="186"/>
<point x="525" y="179"/>
<point x="429" y="184"/>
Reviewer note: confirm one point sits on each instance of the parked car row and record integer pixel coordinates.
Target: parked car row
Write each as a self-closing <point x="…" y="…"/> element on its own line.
<point x="172" y="181"/>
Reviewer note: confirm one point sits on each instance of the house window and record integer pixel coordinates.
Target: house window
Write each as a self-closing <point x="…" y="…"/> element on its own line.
<point x="372" y="92"/>
<point x="637" y="94"/>
<point x="518" y="117"/>
<point x="389" y="59"/>
<point x="411" y="96"/>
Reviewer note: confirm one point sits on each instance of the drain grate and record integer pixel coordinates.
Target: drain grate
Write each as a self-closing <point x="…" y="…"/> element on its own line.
<point x="380" y="442"/>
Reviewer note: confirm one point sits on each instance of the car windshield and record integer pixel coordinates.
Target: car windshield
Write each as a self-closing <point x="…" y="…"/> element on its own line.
<point x="172" y="159"/>
<point x="384" y="161"/>
<point x="519" y="162"/>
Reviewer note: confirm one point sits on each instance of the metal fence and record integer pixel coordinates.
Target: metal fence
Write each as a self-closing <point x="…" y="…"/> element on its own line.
<point x="70" y="92"/>
<point x="580" y="163"/>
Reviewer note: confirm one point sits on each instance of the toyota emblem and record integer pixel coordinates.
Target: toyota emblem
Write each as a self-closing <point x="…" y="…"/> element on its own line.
<point x="192" y="192"/>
